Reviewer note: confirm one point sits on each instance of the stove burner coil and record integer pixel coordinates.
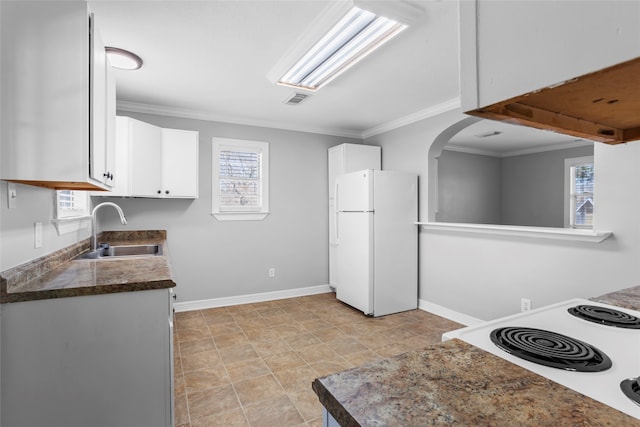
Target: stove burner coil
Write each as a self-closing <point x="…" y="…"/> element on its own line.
<point x="550" y="349"/>
<point x="631" y="388"/>
<point x="605" y="316"/>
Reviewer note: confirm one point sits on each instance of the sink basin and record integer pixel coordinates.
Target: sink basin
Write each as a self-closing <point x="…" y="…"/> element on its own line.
<point x="124" y="251"/>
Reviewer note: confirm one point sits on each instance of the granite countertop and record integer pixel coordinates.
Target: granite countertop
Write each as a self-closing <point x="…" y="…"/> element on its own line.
<point x="60" y="275"/>
<point x="626" y="298"/>
<point x="456" y="383"/>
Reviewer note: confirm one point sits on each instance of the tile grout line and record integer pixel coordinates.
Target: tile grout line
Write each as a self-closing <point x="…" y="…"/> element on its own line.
<point x="233" y="387"/>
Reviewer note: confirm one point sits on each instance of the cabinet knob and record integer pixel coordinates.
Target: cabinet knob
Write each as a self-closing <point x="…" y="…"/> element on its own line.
<point x="159" y="192"/>
<point x="166" y="192"/>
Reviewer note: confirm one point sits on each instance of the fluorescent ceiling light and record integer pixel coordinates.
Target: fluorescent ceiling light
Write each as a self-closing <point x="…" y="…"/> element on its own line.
<point x="123" y="59"/>
<point x="356" y="35"/>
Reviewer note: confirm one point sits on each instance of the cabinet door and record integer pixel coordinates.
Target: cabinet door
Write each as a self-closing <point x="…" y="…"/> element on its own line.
<point x="121" y="155"/>
<point x="76" y="373"/>
<point x="110" y="161"/>
<point x="98" y="106"/>
<point x="336" y="166"/>
<point x="45" y="82"/>
<point x="359" y="157"/>
<point x="179" y="163"/>
<point x="145" y="160"/>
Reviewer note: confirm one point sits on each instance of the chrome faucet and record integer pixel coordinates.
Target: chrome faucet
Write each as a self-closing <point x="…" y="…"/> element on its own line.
<point x="123" y="220"/>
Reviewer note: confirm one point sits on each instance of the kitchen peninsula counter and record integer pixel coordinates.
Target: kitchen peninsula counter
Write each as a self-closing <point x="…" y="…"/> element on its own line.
<point x="455" y="383"/>
<point x="625" y="298"/>
<point x="60" y="275"/>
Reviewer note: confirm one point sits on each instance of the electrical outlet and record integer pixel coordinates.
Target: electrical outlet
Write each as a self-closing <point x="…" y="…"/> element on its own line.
<point x="525" y="304"/>
<point x="272" y="272"/>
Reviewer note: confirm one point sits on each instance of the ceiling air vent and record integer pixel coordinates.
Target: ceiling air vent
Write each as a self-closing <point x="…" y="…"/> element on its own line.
<point x="296" y="99"/>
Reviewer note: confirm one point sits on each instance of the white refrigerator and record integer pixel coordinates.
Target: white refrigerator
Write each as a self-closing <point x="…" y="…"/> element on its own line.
<point x="377" y="241"/>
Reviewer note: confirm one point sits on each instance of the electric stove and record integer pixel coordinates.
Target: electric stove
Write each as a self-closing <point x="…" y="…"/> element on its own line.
<point x="589" y="347"/>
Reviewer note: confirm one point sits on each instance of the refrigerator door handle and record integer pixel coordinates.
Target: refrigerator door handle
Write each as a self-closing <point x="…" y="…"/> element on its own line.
<point x="335" y="212"/>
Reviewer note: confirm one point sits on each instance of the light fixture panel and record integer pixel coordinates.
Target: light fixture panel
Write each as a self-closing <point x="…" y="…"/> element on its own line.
<point x="354" y="36"/>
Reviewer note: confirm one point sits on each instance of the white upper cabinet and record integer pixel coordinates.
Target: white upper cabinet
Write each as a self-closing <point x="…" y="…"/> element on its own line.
<point x="179" y="163"/>
<point x="56" y="93"/>
<point x="509" y="48"/>
<point x="145" y="159"/>
<point x="345" y="158"/>
<point x="155" y="162"/>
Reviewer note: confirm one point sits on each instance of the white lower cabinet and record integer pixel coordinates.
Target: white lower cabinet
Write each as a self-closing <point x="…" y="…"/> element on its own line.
<point x="100" y="361"/>
<point x="154" y="162"/>
<point x="328" y="420"/>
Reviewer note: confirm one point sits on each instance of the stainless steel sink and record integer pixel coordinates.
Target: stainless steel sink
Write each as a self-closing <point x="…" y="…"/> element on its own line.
<point x="125" y="251"/>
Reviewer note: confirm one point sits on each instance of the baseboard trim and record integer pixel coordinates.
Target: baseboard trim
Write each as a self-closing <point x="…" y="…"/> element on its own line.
<point x="448" y="313"/>
<point x="251" y="298"/>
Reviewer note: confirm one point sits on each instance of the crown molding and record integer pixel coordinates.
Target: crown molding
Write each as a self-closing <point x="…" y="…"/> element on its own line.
<point x="432" y="111"/>
<point x="470" y="150"/>
<point x="521" y="152"/>
<point x="135" y="107"/>
<point x="551" y="147"/>
<point x="443" y="107"/>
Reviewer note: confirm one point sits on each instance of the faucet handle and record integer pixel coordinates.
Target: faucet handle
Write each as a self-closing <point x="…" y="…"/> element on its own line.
<point x="103" y="248"/>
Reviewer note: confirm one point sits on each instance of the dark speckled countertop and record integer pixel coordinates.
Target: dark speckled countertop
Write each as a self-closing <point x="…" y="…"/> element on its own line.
<point x="455" y="383"/>
<point x="60" y="275"/>
<point x="625" y="298"/>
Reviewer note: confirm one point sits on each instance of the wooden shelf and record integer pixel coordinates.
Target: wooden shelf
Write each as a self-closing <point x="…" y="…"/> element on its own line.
<point x="602" y="106"/>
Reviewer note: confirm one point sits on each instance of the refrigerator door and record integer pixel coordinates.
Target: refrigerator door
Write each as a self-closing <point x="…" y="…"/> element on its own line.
<point x="354" y="260"/>
<point x="395" y="257"/>
<point x="354" y="191"/>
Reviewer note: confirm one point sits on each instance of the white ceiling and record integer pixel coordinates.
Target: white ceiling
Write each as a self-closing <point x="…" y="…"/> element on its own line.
<point x="209" y="59"/>
<point x="492" y="138"/>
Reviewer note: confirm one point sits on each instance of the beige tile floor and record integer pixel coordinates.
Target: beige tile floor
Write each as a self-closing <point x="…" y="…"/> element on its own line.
<point x="253" y="364"/>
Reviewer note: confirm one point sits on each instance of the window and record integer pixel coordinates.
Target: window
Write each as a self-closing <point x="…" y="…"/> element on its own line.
<point x="72" y="203"/>
<point x="240" y="188"/>
<point x="579" y="200"/>
<point x="72" y="210"/>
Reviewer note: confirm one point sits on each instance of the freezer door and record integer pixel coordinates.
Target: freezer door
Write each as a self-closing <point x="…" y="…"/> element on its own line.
<point x="354" y="191"/>
<point x="354" y="262"/>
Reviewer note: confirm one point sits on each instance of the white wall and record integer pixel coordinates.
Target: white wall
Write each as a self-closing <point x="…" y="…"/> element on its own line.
<point x="526" y="189"/>
<point x="213" y="259"/>
<point x="33" y="204"/>
<point x="533" y="187"/>
<point x="468" y="188"/>
<point x="485" y="276"/>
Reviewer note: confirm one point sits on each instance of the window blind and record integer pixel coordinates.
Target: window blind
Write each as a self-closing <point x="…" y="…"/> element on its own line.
<point x="582" y="177"/>
<point x="240" y="179"/>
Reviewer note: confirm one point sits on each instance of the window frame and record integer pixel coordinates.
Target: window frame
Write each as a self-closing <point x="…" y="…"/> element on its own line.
<point x="569" y="209"/>
<point x="225" y="213"/>
<point x="70" y="220"/>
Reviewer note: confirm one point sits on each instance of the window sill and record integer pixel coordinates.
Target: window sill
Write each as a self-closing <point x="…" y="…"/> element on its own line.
<point x="567" y="234"/>
<point x="239" y="216"/>
<point x="69" y="225"/>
